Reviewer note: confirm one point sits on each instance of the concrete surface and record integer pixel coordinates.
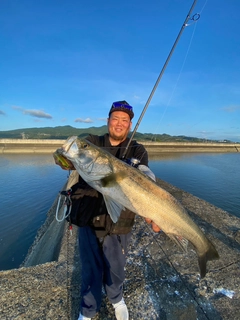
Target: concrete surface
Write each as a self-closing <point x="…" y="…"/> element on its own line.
<point x="11" y="146"/>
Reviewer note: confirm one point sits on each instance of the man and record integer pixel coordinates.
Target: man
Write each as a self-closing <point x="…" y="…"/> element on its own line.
<point x="103" y="253"/>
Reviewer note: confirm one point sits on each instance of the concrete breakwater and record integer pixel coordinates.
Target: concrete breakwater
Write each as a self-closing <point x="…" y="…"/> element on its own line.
<point x="162" y="282"/>
<point x="158" y="147"/>
<point x="29" y="146"/>
<point x="22" y="146"/>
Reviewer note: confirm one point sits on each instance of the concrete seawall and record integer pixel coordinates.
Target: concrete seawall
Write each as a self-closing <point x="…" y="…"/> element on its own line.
<point x="158" y="147"/>
<point x="29" y="145"/>
<point x="161" y="281"/>
<point x="9" y="146"/>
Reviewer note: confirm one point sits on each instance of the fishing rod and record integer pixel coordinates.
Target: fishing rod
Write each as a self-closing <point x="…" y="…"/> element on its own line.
<point x="195" y="17"/>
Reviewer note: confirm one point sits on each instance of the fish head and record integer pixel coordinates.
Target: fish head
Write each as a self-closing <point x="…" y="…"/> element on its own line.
<point x="89" y="160"/>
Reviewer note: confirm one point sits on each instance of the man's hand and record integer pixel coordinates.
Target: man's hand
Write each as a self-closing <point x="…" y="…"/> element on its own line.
<point x="62" y="161"/>
<point x="155" y="227"/>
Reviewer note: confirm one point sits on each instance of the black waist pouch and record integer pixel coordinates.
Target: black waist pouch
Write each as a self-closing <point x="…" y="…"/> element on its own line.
<point x="103" y="224"/>
<point x="85" y="204"/>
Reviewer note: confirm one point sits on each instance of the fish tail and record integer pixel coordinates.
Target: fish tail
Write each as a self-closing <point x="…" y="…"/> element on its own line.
<point x="210" y="254"/>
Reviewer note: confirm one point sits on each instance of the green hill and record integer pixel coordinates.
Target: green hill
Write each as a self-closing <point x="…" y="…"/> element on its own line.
<point x="63" y="132"/>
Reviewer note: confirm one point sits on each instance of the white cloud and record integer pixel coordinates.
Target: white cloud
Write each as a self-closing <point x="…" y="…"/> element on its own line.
<point x="87" y="120"/>
<point x="37" y="114"/>
<point x="33" y="112"/>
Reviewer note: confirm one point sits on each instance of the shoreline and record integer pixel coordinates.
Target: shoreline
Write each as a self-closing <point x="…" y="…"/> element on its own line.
<point x="29" y="146"/>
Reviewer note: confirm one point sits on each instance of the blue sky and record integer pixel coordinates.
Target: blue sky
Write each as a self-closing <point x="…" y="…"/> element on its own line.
<point x="65" y="62"/>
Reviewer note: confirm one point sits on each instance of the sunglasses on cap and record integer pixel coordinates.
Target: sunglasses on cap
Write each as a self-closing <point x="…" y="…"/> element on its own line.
<point x="122" y="106"/>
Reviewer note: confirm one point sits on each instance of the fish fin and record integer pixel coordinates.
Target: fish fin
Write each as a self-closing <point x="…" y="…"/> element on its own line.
<point x="182" y="242"/>
<point x="114" y="208"/>
<point x="210" y="254"/>
<point x="112" y="178"/>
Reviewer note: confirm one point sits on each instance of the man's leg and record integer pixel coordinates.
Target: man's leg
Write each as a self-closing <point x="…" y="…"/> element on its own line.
<point x="114" y="251"/>
<point x="91" y="272"/>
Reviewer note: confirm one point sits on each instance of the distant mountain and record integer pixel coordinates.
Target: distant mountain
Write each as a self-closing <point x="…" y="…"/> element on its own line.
<point x="63" y="132"/>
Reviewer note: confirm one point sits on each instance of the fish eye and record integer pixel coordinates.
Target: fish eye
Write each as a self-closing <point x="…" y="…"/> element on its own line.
<point x="85" y="145"/>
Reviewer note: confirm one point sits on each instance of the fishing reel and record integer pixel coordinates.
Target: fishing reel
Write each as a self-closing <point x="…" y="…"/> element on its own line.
<point x="133" y="162"/>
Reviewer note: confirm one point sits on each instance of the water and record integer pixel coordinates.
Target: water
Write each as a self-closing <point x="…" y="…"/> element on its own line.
<point x="213" y="177"/>
<point x="30" y="184"/>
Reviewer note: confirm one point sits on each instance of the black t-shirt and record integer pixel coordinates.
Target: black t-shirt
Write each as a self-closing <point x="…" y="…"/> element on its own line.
<point x="135" y="149"/>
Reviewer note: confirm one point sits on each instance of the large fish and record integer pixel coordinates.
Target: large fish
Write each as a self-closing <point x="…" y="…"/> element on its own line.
<point x="124" y="186"/>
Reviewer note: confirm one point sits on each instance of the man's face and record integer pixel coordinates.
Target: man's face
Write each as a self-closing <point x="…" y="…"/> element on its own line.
<point x="119" y="125"/>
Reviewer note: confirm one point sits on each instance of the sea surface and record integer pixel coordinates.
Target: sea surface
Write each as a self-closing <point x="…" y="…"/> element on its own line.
<point x="30" y="184"/>
<point x="214" y="177"/>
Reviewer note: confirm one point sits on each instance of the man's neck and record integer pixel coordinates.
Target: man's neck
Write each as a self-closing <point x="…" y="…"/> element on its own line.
<point x="115" y="142"/>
